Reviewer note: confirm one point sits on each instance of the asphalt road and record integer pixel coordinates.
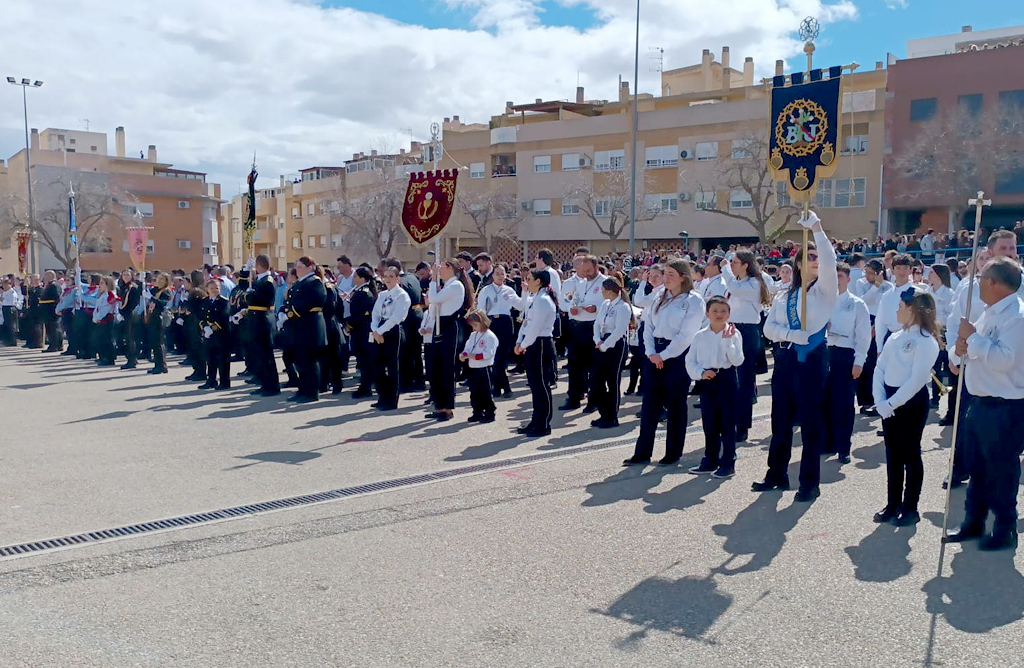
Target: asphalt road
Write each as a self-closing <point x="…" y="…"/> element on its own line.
<point x="565" y="561"/>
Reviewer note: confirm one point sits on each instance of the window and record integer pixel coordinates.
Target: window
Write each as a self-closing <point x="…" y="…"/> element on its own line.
<point x="72" y="140"/>
<point x="971" y="105"/>
<point x="296" y="212"/>
<point x="707" y="150"/>
<point x="184" y="244"/>
<point x="782" y="194"/>
<point x="70" y="150"/>
<point x="570" y="162"/>
<point x="743" y="149"/>
<point x="335" y="241"/>
<point x="238" y="227"/>
<point x="150" y="246"/>
<point x="740" y="199"/>
<point x="476" y="170"/>
<point x="542" y="207"/>
<point x="841" y="193"/>
<point x="310" y="242"/>
<point x="541" y="164"/>
<point x="666" y="204"/>
<point x="603" y="207"/>
<point x="97" y="245"/>
<point x="236" y="253"/>
<point x="296" y="242"/>
<point x="923" y="109"/>
<point x="144" y="209"/>
<point x="212" y="250"/>
<point x="1011" y="107"/>
<point x="606" y="161"/>
<point x="310" y="209"/>
<point x="323" y="241"/>
<point x="662" y="156"/>
<point x="93" y="148"/>
<point x="361" y="166"/>
<point x="856" y="145"/>
<point x="1010" y="181"/>
<point x="705" y="201"/>
<point x="570" y="207"/>
<point x="823" y="199"/>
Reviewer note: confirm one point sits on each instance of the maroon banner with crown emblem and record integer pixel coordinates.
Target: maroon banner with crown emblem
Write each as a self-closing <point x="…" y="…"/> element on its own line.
<point x="429" y="201"/>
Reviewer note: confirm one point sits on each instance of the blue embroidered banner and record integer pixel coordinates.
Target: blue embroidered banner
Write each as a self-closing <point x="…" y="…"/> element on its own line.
<point x="804" y="134"/>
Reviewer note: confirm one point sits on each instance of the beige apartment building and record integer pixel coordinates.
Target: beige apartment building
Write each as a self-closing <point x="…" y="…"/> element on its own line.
<point x="556" y="173"/>
<point x="113" y="192"/>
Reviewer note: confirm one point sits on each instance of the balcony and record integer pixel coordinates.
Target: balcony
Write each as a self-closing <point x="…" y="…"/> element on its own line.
<point x="265" y="236"/>
<point x="503" y="164"/>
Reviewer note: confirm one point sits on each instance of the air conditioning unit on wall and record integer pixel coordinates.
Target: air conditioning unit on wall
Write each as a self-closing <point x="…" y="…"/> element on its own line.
<point x="184" y="204"/>
<point x="685" y="197"/>
<point x="528" y="205"/>
<point x="685" y="155"/>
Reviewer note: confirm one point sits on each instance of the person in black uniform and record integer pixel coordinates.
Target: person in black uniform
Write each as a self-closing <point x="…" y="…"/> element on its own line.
<point x="259" y="319"/>
<point x="337" y="344"/>
<point x="309" y="332"/>
<point x="213" y="321"/>
<point x="159" y="316"/>
<point x="130" y="293"/>
<point x="48" y="299"/>
<point x="238" y="334"/>
<point x="360" y="308"/>
<point x="33" y="323"/>
<point x="193" y="339"/>
<point x="285" y="338"/>
<point x="412" y="343"/>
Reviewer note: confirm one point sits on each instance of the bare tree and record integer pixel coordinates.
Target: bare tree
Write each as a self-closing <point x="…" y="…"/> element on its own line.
<point x="745" y="170"/>
<point x="494" y="216"/>
<point x="606" y="202"/>
<point x="958" y="152"/>
<point x="372" y="213"/>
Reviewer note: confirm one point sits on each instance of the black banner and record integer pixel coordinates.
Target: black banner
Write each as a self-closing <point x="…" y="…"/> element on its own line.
<point x="803" y="144"/>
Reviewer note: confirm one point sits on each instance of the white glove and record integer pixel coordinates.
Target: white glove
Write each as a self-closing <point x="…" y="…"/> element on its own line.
<point x="180" y="321"/>
<point x="799" y="337"/>
<point x="237" y="318"/>
<point x="118" y="318"/>
<point x="249" y="264"/>
<point x="810" y="221"/>
<point x="281" y="318"/>
<point x="207" y="331"/>
<point x="885" y="411"/>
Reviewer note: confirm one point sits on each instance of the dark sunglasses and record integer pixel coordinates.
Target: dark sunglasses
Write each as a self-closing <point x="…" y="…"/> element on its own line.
<point x="812" y="257"/>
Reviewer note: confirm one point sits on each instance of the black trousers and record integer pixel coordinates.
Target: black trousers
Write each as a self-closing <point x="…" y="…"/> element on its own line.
<point x="480" y="391"/>
<point x="366" y="359"/>
<point x="67" y="328"/>
<point x="158" y="335"/>
<point x="539" y="360"/>
<point x="103" y="341"/>
<point x="10" y="328"/>
<point x="218" y="361"/>
<point x="330" y="360"/>
<point x="33" y="332"/>
<point x="581" y="359"/>
<point x="721" y="400"/>
<point x="865" y="389"/>
<point x="903" y="465"/>
<point x="428" y="363"/>
<point x="606" y="391"/>
<point x="747" y="374"/>
<point x="82" y="326"/>
<point x="53" y="338"/>
<point x="127" y="341"/>
<point x="501" y="325"/>
<point x="265" y="366"/>
<point x="412" y="354"/>
<point x="665" y="388"/>
<point x="798" y="391"/>
<point x="839" y="392"/>
<point x="307" y="369"/>
<point x="962" y="455"/>
<point x="445" y="351"/>
<point x="994" y="446"/>
<point x="388" y="367"/>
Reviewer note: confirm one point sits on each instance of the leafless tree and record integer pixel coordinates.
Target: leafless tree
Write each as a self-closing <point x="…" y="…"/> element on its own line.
<point x="958" y="152"/>
<point x="746" y="170"/>
<point x="494" y="216"/>
<point x="606" y="202"/>
<point x="372" y="213"/>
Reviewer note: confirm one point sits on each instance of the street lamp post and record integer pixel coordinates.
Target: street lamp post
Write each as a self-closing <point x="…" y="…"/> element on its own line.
<point x="25" y="84"/>
<point x="636" y="119"/>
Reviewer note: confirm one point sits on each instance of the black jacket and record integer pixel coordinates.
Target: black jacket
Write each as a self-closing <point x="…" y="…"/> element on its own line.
<point x="360" y="308"/>
<point x="213" y="313"/>
<point x="50" y="294"/>
<point x="304" y="307"/>
<point x="130" y="295"/>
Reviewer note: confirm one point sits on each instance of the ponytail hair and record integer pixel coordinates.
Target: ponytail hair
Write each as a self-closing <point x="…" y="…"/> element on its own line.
<point x="747" y="258"/>
<point x="544" y="277"/>
<point x="469" y="294"/>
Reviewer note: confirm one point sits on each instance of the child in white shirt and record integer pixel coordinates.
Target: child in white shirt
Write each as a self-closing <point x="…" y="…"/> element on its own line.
<point x="481" y="347"/>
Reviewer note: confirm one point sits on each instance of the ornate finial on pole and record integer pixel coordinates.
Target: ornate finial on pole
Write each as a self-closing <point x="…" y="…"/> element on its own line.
<point x="809" y="30"/>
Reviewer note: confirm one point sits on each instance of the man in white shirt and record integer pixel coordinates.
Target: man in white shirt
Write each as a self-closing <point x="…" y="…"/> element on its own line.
<point x="994" y="348"/>
<point x="848" y="337"/>
<point x="857" y="264"/>
<point x="546" y="260"/>
<point x="870" y="289"/>
<point x="886" y="322"/>
<point x="581" y="298"/>
<point x="928" y="248"/>
<point x="713" y="284"/>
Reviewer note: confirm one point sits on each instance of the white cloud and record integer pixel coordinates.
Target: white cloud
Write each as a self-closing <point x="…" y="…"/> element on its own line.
<point x="896" y="4"/>
<point x="209" y="82"/>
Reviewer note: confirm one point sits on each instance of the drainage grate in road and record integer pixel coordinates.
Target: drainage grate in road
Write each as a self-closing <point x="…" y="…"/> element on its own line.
<point x="94" y="537"/>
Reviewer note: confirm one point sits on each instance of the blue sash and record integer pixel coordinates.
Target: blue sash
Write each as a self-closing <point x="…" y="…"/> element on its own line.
<point x="815" y="340"/>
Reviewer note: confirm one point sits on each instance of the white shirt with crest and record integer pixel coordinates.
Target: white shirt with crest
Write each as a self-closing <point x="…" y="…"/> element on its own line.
<point x="906" y="363"/>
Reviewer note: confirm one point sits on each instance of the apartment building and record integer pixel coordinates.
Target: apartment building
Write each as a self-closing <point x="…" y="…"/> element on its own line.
<point x="566" y="165"/>
<point x="113" y="192"/>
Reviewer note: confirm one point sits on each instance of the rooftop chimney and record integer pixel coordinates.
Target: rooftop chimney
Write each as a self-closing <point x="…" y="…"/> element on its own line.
<point x="726" y="79"/>
<point x="748" y="71"/>
<point x="455" y="119"/>
<point x="152" y="153"/>
<point x="879" y="65"/>
<point x="373" y="153"/>
<point x="780" y="67"/>
<point x="579" y="95"/>
<point x="966" y="29"/>
<point x="119" y="141"/>
<point x="508" y="107"/>
<point x="35" y="140"/>
<point x="281" y="180"/>
<point x="447" y="119"/>
<point x="705" y="68"/>
<point x="624" y="92"/>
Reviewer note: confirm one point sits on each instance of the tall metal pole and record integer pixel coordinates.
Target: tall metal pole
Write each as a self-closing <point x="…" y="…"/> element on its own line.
<point x="28" y="177"/>
<point x="636" y="120"/>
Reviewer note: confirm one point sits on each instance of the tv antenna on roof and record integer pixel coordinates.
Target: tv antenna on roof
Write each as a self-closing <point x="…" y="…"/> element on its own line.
<point x="658" y="57"/>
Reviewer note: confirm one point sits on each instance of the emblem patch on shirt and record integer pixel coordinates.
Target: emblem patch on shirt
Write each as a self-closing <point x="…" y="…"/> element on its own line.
<point x="908" y="347"/>
<point x="848" y="306"/>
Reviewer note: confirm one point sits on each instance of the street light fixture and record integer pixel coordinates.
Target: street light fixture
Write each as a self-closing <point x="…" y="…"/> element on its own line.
<point x="25" y="85"/>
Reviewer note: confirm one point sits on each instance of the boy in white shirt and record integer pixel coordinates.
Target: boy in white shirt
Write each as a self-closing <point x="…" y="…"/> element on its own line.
<point x="716" y="352"/>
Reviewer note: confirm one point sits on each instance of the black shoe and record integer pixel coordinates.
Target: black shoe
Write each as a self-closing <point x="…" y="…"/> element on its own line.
<point x="568" y="406"/>
<point x="966" y="532"/>
<point x="224" y="386"/>
<point x="257" y="392"/>
<point x="443" y="416"/>
<point x="269" y="393"/>
<point x="207" y="386"/>
<point x="67" y="353"/>
<point x="290" y="383"/>
<point x="724" y="471"/>
<point x="868" y="410"/>
<point x="844" y="459"/>
<point x="294" y="397"/>
<point x="489" y="417"/>
<point x="629" y="391"/>
<point x="956" y="483"/>
<point x="432" y="415"/>
<point x="807" y="495"/>
<point x="386" y="407"/>
<point x="705" y="466"/>
<point x="767" y="485"/>
<point x="506" y="394"/>
<point x="154" y="371"/>
<point x="125" y="367"/>
<point x="947" y="420"/>
<point x="668" y="461"/>
<point x="358" y="394"/>
<point x="535" y="433"/>
<point x="601" y="423"/>
<point x="741" y="435"/>
<point x="590" y="409"/>
<point x="885" y="514"/>
<point x="474" y="418"/>
<point x="907" y="518"/>
<point x="336" y="390"/>
<point x="999" y="540"/>
<point x="305" y="400"/>
<point x="195" y="376"/>
<point x="632" y="461"/>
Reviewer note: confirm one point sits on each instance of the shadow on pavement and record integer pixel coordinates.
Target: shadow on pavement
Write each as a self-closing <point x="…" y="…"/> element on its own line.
<point x="105" y="416"/>
<point x="690" y="493"/>
<point x="883" y="555"/>
<point x="759" y="531"/>
<point x="628" y="484"/>
<point x="983" y="592"/>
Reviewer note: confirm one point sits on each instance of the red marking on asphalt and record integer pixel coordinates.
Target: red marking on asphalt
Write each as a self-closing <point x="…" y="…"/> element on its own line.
<point x="818" y="535"/>
<point x="517" y="474"/>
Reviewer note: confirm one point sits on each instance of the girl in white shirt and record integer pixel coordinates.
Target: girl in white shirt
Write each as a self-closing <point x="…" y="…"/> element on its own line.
<point x="497" y="300"/>
<point x="538" y="349"/>
<point x="901" y="398"/>
<point x="611" y="328"/>
<point x="715" y="355"/>
<point x="427" y="327"/>
<point x="748" y="296"/>
<point x="479" y="354"/>
<point x="941" y="289"/>
<point x="450" y="303"/>
<point x="386" y="331"/>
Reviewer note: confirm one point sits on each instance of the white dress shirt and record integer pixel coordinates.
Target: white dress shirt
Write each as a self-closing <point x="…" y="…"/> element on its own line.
<point x="906" y="363"/>
<point x="871" y="294"/>
<point x="885" y="319"/>
<point x="581" y="292"/>
<point x="484" y="344"/>
<point x="744" y="294"/>
<point x="856" y="273"/>
<point x="344" y="287"/>
<point x="850" y="327"/>
<point x="611" y="323"/>
<point x="996" y="351"/>
<point x="713" y="287"/>
<point x="711" y="350"/>
<point x="821" y="300"/>
<point x="556" y="280"/>
<point x="943" y="302"/>
<point x="497" y="299"/>
<point x="674" y="318"/>
<point x="642" y="300"/>
<point x="538" y="320"/>
<point x="427" y="326"/>
<point x="448" y="300"/>
<point x="11" y="297"/>
<point x="390" y="309"/>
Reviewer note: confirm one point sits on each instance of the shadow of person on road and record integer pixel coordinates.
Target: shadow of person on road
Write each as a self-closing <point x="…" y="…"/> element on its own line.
<point x="687" y="607"/>
<point x="883" y="555"/>
<point x="984" y="591"/>
<point x="690" y="493"/>
<point x="488" y="449"/>
<point x="759" y="531"/>
<point x="628" y="484"/>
